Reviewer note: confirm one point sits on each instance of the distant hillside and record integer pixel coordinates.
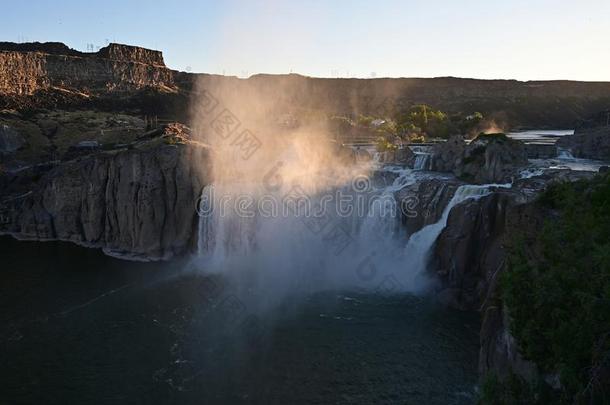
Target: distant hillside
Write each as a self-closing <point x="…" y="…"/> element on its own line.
<point x="127" y="78"/>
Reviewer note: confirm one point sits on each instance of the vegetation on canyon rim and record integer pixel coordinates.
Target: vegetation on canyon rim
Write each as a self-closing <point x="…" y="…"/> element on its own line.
<point x="557" y="289"/>
<point x="419" y="123"/>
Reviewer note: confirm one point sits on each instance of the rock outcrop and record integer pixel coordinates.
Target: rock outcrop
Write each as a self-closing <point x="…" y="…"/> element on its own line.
<point x="27" y="69"/>
<point x="447" y="156"/>
<point x="470" y="255"/>
<point x="425" y="200"/>
<point x="402" y="156"/>
<point x="136" y="203"/>
<point x="490" y="158"/>
<point x="588" y="143"/>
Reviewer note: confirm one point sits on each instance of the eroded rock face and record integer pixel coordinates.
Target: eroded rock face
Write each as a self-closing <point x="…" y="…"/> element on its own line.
<point x="425" y="201"/>
<point x="447" y="156"/>
<point x="588" y="144"/>
<point x="492" y="158"/>
<point x="128" y="53"/>
<point x="470" y="255"/>
<point x="469" y="246"/>
<point x="402" y="156"/>
<point x="138" y="204"/>
<point x="25" y="70"/>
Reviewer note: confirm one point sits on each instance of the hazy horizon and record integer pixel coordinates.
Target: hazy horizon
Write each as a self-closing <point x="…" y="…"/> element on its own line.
<point x="524" y="40"/>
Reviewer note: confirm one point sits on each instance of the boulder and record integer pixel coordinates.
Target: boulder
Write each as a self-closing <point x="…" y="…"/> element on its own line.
<point x="447" y="156"/>
<point x="490" y="158"/>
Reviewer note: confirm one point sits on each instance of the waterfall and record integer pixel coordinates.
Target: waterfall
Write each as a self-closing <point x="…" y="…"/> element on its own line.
<point x="382" y="219"/>
<point x="563" y="153"/>
<point x="281" y="254"/>
<point x="421" y="148"/>
<point x="420" y="244"/>
<point x="423" y="154"/>
<point x="422" y="161"/>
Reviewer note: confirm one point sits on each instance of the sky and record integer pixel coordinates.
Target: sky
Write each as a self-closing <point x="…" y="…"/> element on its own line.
<point x="516" y="39"/>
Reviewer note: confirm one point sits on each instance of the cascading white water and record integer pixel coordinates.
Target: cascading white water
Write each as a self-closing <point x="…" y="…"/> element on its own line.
<point x="563" y="153"/>
<point x="423" y="155"/>
<point x="422" y="161"/>
<point x="281" y="254"/>
<point x="276" y="248"/>
<point x="419" y="246"/>
<point x="381" y="221"/>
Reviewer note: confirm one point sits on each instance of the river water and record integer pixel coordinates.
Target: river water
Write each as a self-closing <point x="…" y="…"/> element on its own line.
<point x="540" y="136"/>
<point x="81" y="327"/>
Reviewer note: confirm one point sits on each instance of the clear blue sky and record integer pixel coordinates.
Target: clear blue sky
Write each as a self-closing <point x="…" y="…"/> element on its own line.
<point x="533" y="39"/>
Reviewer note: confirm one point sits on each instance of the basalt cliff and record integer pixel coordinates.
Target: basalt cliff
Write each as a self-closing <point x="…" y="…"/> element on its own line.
<point x="120" y="77"/>
<point x="137" y="202"/>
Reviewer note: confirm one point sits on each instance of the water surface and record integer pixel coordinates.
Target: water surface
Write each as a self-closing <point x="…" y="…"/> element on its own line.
<point x="80" y="327"/>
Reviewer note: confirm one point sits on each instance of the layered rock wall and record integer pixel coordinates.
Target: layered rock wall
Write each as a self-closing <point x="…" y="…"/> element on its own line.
<point x="115" y="67"/>
<point x="491" y="158"/>
<point x="139" y="204"/>
<point x="470" y="255"/>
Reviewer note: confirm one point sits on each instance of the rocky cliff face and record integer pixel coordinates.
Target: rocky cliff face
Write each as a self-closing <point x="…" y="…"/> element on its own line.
<point x="470" y="254"/>
<point x="588" y="143"/>
<point x="134" y="203"/>
<point x="490" y="158"/>
<point x="40" y="67"/>
<point x="426" y="200"/>
<point x="47" y="73"/>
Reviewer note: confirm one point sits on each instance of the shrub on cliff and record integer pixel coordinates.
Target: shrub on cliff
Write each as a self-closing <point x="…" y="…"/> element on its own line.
<point x="557" y="289"/>
<point x="424" y="119"/>
<point x="383" y="144"/>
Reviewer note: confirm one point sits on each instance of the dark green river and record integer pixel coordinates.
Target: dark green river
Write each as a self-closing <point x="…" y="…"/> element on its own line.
<point x="80" y="327"/>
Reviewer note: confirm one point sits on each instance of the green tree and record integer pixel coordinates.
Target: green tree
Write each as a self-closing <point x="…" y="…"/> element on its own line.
<point x="557" y="289"/>
<point x="421" y="119"/>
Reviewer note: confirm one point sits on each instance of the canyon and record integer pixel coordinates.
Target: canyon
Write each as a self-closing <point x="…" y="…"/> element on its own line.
<point x="83" y="163"/>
